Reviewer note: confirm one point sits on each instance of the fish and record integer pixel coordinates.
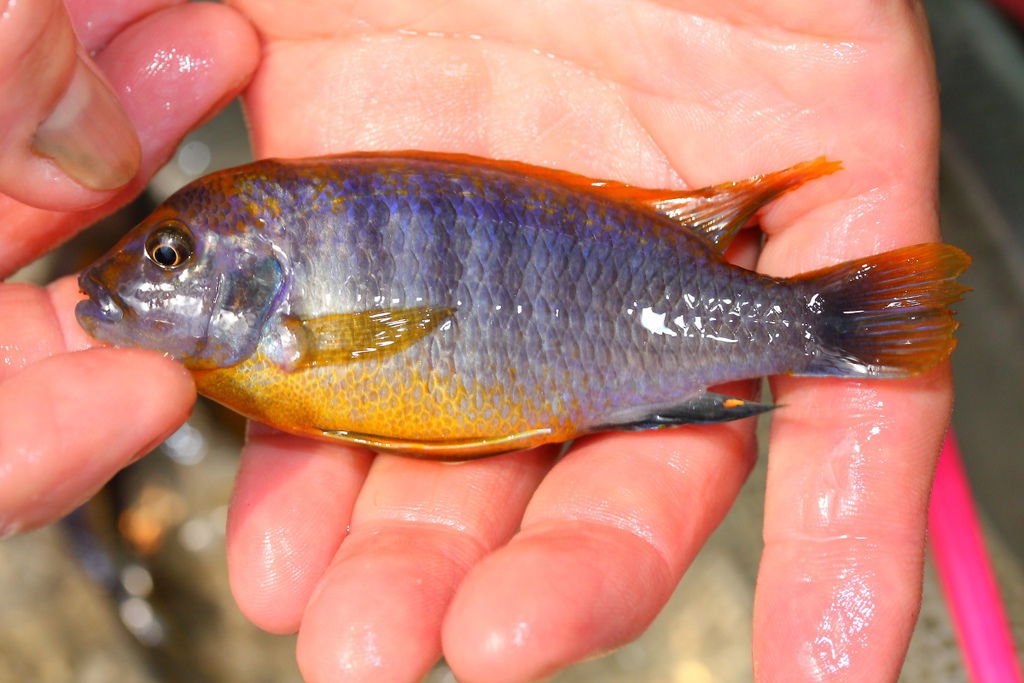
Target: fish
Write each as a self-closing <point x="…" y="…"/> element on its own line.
<point x="449" y="306"/>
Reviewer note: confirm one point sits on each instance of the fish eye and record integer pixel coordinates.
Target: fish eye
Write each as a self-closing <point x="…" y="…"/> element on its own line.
<point x="170" y="245"/>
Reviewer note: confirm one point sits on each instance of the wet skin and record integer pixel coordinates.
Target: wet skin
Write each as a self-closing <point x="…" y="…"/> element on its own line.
<point x="514" y="566"/>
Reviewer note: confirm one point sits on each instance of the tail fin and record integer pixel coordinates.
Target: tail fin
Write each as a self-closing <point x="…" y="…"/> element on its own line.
<point x="887" y="315"/>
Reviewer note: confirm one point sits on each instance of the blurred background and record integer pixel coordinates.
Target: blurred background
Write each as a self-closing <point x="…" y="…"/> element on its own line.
<point x="133" y="587"/>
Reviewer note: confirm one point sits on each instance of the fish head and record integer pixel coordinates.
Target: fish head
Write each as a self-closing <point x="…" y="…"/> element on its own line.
<point x="185" y="283"/>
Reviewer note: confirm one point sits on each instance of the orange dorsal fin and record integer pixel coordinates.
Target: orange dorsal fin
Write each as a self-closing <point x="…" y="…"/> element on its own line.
<point x="717" y="212"/>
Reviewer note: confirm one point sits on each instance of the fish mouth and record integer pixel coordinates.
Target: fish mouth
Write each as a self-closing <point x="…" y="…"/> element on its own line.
<point x="101" y="306"/>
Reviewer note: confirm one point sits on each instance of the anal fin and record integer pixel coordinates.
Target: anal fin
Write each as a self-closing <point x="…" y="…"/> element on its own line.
<point x="703" y="409"/>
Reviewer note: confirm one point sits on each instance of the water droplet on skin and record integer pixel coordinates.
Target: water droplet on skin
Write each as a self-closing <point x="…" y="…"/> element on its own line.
<point x="841" y="632"/>
<point x="843" y="473"/>
<point x="520" y="633"/>
<point x="359" y="649"/>
<point x="11" y="356"/>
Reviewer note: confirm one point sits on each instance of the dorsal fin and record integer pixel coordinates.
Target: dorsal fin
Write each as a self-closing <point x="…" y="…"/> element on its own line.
<point x="717" y="212"/>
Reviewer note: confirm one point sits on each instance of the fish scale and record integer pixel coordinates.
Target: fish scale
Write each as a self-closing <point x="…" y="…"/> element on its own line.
<point x="657" y="377"/>
<point x="452" y="306"/>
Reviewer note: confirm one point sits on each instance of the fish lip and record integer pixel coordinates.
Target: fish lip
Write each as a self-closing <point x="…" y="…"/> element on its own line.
<point x="102" y="304"/>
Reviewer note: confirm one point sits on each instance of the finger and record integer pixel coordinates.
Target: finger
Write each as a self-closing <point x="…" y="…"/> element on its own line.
<point x="290" y="511"/>
<point x="38" y="322"/>
<point x="62" y="416"/>
<point x="603" y="543"/>
<point x="851" y="460"/>
<point x="68" y="422"/>
<point x="173" y="69"/>
<point x="97" y="21"/>
<point x="64" y="296"/>
<point x="67" y="142"/>
<point x="839" y="583"/>
<point x="29" y="328"/>
<point x="417" y="528"/>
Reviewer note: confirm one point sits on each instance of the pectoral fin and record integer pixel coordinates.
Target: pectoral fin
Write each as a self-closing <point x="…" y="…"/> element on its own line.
<point x="702" y="409"/>
<point x="344" y="337"/>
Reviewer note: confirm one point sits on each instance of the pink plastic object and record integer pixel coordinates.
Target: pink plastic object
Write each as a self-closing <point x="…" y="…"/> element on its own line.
<point x="966" y="575"/>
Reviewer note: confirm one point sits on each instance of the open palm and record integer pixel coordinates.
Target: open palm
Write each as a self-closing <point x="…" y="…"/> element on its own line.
<point x="517" y="565"/>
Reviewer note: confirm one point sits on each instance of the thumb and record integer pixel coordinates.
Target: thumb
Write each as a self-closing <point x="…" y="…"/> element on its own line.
<point x="65" y="141"/>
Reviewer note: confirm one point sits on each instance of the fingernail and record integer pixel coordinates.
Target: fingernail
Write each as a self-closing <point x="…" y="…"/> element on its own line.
<point x="88" y="134"/>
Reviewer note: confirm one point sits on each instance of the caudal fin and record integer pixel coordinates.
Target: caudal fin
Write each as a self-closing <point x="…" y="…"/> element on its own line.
<point x="886" y="315"/>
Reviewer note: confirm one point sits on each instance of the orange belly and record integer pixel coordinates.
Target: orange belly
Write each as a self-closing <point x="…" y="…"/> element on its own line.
<point x="421" y="412"/>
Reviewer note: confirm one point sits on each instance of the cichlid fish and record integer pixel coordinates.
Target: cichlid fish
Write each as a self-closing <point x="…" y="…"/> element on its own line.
<point x="450" y="306"/>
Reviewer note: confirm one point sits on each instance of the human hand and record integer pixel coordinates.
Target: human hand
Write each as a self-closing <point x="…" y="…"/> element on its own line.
<point x="518" y="565"/>
<point x="71" y="417"/>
